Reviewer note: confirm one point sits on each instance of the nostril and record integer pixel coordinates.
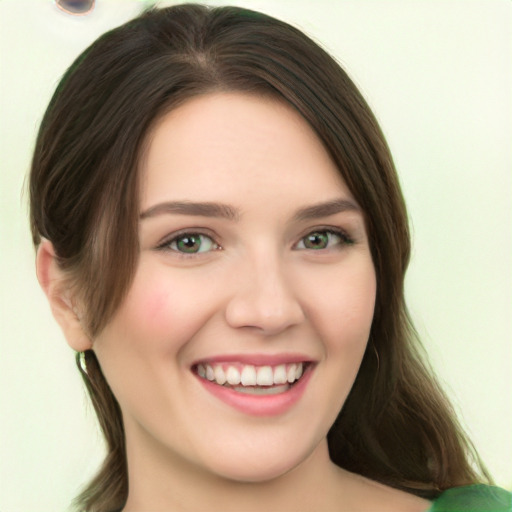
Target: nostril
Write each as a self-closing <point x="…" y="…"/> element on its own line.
<point x="263" y="312"/>
<point x="76" y="7"/>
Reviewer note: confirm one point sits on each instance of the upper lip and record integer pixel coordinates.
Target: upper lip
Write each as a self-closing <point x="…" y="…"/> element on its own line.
<point x="256" y="359"/>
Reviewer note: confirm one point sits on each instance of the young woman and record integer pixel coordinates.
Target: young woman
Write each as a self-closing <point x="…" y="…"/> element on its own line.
<point x="222" y="238"/>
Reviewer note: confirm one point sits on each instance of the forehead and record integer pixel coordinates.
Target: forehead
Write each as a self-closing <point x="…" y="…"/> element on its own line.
<point x="237" y="147"/>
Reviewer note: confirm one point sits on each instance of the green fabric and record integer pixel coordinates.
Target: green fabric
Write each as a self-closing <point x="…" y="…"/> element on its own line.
<point x="473" y="498"/>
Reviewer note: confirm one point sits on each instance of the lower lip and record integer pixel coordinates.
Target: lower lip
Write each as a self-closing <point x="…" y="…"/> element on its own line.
<point x="260" y="405"/>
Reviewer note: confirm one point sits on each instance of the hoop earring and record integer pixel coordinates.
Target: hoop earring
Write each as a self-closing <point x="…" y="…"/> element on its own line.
<point x="81" y="360"/>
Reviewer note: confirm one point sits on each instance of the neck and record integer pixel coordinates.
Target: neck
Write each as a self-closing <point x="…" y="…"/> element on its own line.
<point x="164" y="483"/>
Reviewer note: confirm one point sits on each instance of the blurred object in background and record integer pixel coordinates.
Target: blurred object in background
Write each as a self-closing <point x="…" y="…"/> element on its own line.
<point x="76" y="7"/>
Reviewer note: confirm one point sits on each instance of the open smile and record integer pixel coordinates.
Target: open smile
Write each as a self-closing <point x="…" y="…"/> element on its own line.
<point x="260" y="390"/>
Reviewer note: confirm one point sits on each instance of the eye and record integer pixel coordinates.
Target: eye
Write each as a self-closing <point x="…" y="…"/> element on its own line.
<point x="191" y="243"/>
<point x="323" y="239"/>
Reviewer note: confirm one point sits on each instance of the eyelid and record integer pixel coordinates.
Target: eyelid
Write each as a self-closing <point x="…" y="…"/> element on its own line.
<point x="164" y="244"/>
<point x="346" y="238"/>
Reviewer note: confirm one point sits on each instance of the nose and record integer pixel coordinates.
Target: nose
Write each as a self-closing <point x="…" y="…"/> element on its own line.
<point x="263" y="299"/>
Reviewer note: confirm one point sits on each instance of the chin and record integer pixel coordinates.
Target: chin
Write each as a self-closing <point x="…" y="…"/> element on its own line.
<point x="265" y="465"/>
<point x="255" y="473"/>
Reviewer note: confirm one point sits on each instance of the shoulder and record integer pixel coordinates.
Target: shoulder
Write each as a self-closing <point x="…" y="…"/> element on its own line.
<point x="362" y="494"/>
<point x="473" y="498"/>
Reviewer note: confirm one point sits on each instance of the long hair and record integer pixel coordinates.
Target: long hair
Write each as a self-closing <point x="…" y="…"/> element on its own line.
<point x="396" y="425"/>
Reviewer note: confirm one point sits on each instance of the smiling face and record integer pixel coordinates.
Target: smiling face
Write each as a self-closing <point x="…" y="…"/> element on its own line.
<point x="252" y="302"/>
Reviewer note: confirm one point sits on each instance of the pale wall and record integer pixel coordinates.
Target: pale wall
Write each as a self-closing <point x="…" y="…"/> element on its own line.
<point x="438" y="74"/>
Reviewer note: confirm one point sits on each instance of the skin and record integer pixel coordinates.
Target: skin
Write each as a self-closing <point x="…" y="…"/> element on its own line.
<point x="255" y="287"/>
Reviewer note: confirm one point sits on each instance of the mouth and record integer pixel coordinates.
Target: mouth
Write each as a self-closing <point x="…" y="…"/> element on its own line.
<point x="252" y="379"/>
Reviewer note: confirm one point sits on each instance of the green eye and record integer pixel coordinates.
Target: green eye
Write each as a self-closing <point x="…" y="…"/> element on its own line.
<point x="325" y="239"/>
<point x="192" y="243"/>
<point x="316" y="240"/>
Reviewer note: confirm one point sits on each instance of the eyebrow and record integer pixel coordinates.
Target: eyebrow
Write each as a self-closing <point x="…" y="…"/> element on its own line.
<point x="207" y="209"/>
<point x="220" y="210"/>
<point x="325" y="209"/>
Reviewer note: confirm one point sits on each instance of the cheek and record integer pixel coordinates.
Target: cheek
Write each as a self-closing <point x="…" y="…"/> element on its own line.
<point x="140" y="350"/>
<point x="343" y="307"/>
<point x="163" y="311"/>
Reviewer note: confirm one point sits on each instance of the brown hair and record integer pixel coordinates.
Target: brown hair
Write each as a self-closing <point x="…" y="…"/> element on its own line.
<point x="396" y="425"/>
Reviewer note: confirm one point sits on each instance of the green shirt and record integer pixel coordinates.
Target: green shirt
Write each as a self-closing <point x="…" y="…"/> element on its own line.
<point x="473" y="498"/>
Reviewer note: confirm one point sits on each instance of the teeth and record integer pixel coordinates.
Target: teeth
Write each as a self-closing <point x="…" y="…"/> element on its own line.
<point x="254" y="390"/>
<point x="220" y="376"/>
<point x="292" y="371"/>
<point x="232" y="376"/>
<point x="280" y="374"/>
<point x="265" y="377"/>
<point x="249" y="375"/>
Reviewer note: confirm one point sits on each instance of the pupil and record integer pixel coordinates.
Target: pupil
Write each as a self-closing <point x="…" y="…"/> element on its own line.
<point x="189" y="243"/>
<point x="317" y="240"/>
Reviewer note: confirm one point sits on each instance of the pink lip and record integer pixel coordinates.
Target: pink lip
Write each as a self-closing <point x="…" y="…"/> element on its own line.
<point x="256" y="359"/>
<point x="260" y="405"/>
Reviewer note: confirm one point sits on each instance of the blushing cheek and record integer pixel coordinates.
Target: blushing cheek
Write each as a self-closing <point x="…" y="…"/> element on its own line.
<point x="154" y="306"/>
<point x="145" y="313"/>
<point x="137" y="337"/>
<point x="161" y="311"/>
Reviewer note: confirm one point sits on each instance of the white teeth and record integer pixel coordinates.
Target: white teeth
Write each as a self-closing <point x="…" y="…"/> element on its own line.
<point x="250" y="375"/>
<point x="233" y="376"/>
<point x="291" y="373"/>
<point x="255" y="390"/>
<point x="264" y="377"/>
<point x="220" y="376"/>
<point x="280" y="374"/>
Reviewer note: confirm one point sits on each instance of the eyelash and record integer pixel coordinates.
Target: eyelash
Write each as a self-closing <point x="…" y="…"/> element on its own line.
<point x="166" y="245"/>
<point x="345" y="240"/>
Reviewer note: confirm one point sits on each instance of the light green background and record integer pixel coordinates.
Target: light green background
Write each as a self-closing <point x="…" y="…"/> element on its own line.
<point x="439" y="77"/>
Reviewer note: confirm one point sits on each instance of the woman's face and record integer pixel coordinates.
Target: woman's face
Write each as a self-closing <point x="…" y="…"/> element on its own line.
<point x="254" y="268"/>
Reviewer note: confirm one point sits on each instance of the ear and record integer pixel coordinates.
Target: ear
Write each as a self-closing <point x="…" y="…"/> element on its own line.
<point x="53" y="282"/>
